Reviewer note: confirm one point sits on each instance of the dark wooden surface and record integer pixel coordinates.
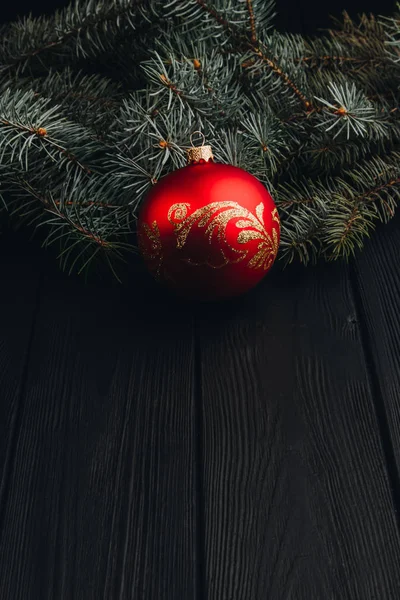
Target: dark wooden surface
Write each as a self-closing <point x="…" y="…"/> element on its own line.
<point x="98" y="446"/>
<point x="152" y="449"/>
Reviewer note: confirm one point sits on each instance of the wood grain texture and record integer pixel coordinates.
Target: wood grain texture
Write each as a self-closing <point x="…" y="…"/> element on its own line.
<point x="297" y="502"/>
<point x="101" y="499"/>
<point x="20" y="274"/>
<point x="377" y="280"/>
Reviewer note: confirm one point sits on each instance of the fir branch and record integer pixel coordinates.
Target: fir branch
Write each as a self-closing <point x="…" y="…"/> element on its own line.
<point x="351" y="227"/>
<point x="351" y="112"/>
<point x="374" y="193"/>
<point x="273" y="65"/>
<point x="82" y="230"/>
<point x="33" y="129"/>
<point x="53" y="207"/>
<point x="338" y="61"/>
<point x="256" y="47"/>
<point x="71" y="26"/>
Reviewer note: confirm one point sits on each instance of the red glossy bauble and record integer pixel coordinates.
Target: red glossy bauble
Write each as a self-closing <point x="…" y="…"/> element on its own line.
<point x="209" y="230"/>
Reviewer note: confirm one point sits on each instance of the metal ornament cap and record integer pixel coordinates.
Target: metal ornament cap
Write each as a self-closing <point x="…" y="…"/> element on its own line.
<point x="198" y="154"/>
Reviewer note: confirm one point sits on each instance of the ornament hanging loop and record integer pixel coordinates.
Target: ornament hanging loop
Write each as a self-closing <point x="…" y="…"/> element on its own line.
<point x="199" y="154"/>
<point x="201" y="134"/>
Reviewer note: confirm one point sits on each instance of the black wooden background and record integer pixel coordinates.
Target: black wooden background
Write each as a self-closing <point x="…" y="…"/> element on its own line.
<point x="152" y="449"/>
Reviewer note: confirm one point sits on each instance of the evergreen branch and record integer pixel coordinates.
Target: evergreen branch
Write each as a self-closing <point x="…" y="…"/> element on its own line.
<point x="191" y="96"/>
<point x="324" y="60"/>
<point x="359" y="203"/>
<point x="352" y="112"/>
<point x="217" y="16"/>
<point x="83" y="230"/>
<point x="369" y="28"/>
<point x="47" y="35"/>
<point x="273" y="65"/>
<point x="255" y="46"/>
<point x="351" y="224"/>
<point x="24" y="131"/>
<point x="89" y="98"/>
<point x="373" y="194"/>
<point x="54" y="207"/>
<point x="68" y="155"/>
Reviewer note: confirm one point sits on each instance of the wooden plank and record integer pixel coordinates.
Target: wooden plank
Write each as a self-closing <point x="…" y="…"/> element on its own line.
<point x="297" y="501"/>
<point x="377" y="284"/>
<point x="102" y="491"/>
<point x="20" y="281"/>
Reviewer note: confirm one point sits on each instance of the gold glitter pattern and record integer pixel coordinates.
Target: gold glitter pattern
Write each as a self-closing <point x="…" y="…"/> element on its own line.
<point x="149" y="241"/>
<point x="215" y="217"/>
<point x="268" y="246"/>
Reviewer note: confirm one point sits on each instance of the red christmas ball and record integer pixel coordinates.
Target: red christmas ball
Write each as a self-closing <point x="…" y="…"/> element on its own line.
<point x="209" y="230"/>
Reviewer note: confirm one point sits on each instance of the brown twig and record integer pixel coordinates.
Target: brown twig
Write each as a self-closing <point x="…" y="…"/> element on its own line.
<point x="367" y="196"/>
<point x="53" y="207"/>
<point x="253" y="30"/>
<point x="70" y="156"/>
<point x="170" y="85"/>
<point x="338" y="59"/>
<point x="353" y="217"/>
<point x="285" y="78"/>
<point x="299" y="116"/>
<point x="219" y="18"/>
<point x="255" y="46"/>
<point x="375" y="190"/>
<point x="87" y="203"/>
